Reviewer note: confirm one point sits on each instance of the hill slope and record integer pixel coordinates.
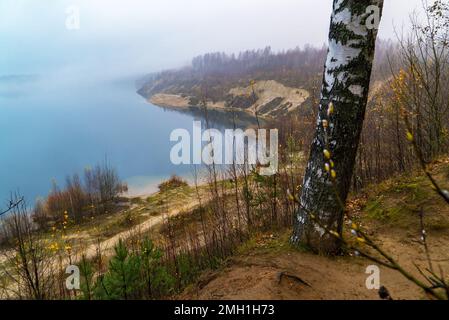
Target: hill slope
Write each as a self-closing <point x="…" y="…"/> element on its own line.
<point x="282" y="81"/>
<point x="267" y="267"/>
<point x="267" y="98"/>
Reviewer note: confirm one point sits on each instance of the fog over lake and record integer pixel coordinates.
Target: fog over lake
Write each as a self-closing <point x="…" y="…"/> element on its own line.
<point x="68" y="97"/>
<point x="46" y="136"/>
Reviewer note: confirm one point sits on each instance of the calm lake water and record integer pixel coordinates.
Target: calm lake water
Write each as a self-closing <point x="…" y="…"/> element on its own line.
<point x="49" y="130"/>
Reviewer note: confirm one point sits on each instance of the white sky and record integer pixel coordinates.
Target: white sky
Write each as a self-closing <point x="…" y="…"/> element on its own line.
<point x="137" y="36"/>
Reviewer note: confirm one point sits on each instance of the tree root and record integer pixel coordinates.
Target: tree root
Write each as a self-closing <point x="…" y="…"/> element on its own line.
<point x="291" y="276"/>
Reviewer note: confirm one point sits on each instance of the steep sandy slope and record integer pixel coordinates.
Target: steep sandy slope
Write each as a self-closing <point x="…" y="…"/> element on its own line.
<point x="267" y="98"/>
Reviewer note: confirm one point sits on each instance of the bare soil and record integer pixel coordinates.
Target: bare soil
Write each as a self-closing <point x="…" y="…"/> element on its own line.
<point x="268" y="267"/>
<point x="288" y="274"/>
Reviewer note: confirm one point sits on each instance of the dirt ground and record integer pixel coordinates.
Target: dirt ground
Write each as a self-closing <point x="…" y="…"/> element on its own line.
<point x="268" y="267"/>
<point x="284" y="273"/>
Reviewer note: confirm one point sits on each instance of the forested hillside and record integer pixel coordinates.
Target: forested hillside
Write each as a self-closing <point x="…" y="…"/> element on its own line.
<point x="225" y="80"/>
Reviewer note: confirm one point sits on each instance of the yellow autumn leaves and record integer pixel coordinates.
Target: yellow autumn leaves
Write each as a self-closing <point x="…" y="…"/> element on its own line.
<point x="56" y="245"/>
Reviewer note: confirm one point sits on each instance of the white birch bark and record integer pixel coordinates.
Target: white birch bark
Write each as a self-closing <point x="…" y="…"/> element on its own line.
<point x="352" y="37"/>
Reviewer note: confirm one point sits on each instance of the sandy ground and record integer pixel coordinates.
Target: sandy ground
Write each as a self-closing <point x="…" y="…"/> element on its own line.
<point x="270" y="89"/>
<point x="265" y="90"/>
<point x="178" y="102"/>
<point x="264" y="274"/>
<point x="108" y="245"/>
<point x="256" y="271"/>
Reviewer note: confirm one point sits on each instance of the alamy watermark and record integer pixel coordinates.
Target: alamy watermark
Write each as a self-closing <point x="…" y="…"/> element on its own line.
<point x="72" y="21"/>
<point x="373" y="280"/>
<point x="372" y="20"/>
<point x="72" y="282"/>
<point x="233" y="146"/>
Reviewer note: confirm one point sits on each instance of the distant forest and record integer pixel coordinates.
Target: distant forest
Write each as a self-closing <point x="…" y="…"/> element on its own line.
<point x="212" y="75"/>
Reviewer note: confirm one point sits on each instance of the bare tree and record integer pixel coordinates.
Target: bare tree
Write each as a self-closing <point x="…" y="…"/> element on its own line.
<point x="28" y="273"/>
<point x="421" y="85"/>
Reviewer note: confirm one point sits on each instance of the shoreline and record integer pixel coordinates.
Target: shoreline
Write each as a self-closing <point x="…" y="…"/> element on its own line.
<point x="272" y="99"/>
<point x="150" y="187"/>
<point x="177" y="102"/>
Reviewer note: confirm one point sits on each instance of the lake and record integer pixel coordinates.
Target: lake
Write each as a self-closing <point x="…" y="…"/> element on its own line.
<point x="50" y="129"/>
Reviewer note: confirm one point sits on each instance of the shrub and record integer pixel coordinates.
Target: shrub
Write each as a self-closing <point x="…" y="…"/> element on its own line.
<point x="172" y="183"/>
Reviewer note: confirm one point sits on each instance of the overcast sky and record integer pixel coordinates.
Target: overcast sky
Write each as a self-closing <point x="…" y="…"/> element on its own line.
<point x="124" y="38"/>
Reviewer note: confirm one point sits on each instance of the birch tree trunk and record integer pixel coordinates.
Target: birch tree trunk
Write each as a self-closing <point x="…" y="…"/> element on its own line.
<point x="344" y="94"/>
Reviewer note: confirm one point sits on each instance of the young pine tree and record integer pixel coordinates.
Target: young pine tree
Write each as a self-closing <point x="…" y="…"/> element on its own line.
<point x="122" y="281"/>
